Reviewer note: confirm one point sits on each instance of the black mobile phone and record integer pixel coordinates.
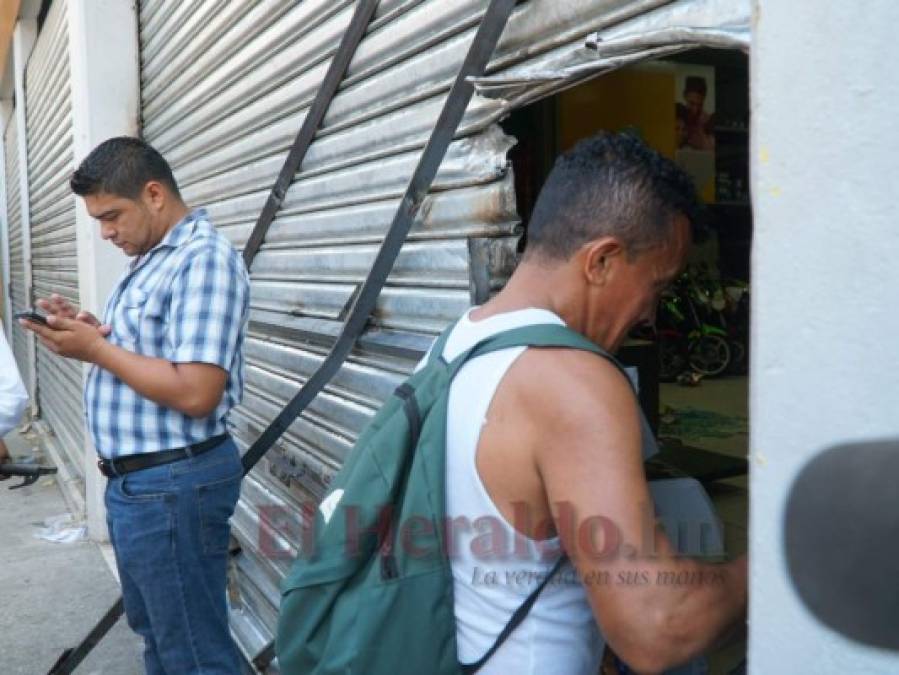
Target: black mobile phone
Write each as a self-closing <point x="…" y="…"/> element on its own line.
<point x="33" y="316"/>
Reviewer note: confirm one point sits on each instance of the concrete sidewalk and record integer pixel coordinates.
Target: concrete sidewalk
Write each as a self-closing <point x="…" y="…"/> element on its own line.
<point x="52" y="594"/>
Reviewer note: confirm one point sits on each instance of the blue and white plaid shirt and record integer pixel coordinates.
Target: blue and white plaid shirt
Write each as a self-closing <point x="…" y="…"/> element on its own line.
<point x="186" y="301"/>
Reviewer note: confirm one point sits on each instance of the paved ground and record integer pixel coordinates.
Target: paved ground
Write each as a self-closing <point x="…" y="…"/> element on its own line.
<point x="51" y="594"/>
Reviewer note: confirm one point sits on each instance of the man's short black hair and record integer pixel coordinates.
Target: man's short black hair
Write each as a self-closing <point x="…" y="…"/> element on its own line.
<point x="122" y="166"/>
<point x="610" y="185"/>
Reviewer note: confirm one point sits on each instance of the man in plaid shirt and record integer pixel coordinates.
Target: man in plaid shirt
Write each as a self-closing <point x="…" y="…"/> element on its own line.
<point x="167" y="368"/>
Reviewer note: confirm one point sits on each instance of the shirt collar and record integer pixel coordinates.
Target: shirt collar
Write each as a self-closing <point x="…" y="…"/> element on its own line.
<point x="183" y="229"/>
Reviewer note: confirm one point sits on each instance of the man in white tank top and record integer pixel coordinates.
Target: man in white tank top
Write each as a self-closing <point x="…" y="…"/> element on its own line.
<point x="544" y="445"/>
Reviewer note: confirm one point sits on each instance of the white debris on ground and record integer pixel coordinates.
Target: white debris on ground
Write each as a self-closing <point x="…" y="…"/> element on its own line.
<point x="62" y="529"/>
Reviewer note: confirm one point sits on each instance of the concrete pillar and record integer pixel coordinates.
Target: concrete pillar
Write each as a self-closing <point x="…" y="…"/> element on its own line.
<point x="24" y="36"/>
<point x="825" y="138"/>
<point x="103" y="49"/>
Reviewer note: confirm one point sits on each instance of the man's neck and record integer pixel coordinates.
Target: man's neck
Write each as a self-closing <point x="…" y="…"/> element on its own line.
<point x="172" y="217"/>
<point x="531" y="286"/>
<point x="549" y="287"/>
<point x="179" y="213"/>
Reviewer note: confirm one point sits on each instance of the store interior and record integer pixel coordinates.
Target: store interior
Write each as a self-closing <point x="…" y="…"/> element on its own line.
<point x="693" y="365"/>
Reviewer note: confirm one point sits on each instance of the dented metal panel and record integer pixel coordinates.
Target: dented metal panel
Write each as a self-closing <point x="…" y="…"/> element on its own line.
<point x="487" y="210"/>
<point x="54" y="255"/>
<point x="470" y="161"/>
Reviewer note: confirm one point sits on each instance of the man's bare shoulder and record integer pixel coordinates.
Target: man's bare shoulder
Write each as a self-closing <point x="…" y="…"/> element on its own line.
<point x="559" y="376"/>
<point x="569" y="391"/>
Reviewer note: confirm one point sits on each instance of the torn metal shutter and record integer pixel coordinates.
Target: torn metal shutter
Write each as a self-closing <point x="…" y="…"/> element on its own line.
<point x="225" y="87"/>
<point x="53" y="249"/>
<point x="674" y="27"/>
<point x="18" y="298"/>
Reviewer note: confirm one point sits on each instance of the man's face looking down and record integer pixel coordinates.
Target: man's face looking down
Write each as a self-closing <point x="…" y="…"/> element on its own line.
<point x="130" y="224"/>
<point x="625" y="293"/>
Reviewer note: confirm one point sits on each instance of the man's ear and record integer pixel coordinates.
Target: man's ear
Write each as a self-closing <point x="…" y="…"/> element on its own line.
<point x="598" y="258"/>
<point x="155" y="195"/>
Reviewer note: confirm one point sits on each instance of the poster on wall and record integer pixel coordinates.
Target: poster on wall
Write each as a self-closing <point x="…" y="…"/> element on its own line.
<point x="694" y="119"/>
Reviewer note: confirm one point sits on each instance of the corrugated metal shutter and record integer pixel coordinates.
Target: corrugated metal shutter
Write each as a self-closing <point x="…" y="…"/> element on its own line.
<point x="53" y="248"/>
<point x="225" y="87"/>
<point x="17" y="287"/>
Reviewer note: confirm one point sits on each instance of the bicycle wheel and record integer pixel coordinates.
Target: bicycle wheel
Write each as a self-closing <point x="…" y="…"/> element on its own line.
<point x="709" y="355"/>
<point x="671" y="361"/>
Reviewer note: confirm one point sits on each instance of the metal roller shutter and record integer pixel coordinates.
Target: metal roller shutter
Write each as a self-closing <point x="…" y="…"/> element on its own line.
<point x="225" y="87"/>
<point x="52" y="213"/>
<point x="17" y="287"/>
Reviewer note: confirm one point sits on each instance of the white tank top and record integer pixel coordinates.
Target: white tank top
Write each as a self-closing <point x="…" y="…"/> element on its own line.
<point x="495" y="567"/>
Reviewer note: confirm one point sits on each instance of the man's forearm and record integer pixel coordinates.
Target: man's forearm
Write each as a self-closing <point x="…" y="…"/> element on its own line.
<point x="156" y="379"/>
<point x="679" y="608"/>
<point x="712" y="608"/>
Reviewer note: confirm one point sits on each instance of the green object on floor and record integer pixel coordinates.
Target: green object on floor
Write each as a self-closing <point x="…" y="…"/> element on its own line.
<point x="693" y="424"/>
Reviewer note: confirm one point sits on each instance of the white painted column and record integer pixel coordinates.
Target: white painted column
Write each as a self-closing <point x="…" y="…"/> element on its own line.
<point x="103" y="51"/>
<point x="24" y="36"/>
<point x="6" y="302"/>
<point x="825" y="277"/>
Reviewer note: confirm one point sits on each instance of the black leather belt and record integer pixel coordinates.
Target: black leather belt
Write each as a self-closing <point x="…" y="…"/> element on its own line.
<point x="119" y="467"/>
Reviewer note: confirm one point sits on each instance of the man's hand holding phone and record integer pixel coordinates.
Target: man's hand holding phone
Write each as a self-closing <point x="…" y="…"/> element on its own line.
<point x="63" y="330"/>
<point x="56" y="305"/>
<point x="32" y="316"/>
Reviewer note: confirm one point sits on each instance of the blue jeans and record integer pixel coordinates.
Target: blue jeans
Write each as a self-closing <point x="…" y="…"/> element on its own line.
<point x="169" y="530"/>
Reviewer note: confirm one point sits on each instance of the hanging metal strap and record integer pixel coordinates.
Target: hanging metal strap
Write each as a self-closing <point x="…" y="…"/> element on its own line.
<point x="72" y="658"/>
<point x="365" y="10"/>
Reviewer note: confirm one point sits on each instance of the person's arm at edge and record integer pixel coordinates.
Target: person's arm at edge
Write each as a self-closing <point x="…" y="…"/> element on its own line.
<point x="13" y="396"/>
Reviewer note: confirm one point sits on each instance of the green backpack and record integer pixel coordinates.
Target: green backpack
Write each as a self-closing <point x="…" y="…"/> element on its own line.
<point x="374" y="596"/>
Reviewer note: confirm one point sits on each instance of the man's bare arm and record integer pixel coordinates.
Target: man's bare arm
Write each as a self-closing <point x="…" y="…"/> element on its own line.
<point x="590" y="461"/>
<point x="194" y="389"/>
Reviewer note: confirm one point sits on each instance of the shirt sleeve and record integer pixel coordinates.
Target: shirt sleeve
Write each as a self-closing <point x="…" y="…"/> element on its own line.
<point x="209" y="307"/>
<point x="13" y="397"/>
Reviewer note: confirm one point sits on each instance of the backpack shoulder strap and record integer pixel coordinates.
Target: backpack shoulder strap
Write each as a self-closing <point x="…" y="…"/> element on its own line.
<point x="517" y="618"/>
<point x="436" y="353"/>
